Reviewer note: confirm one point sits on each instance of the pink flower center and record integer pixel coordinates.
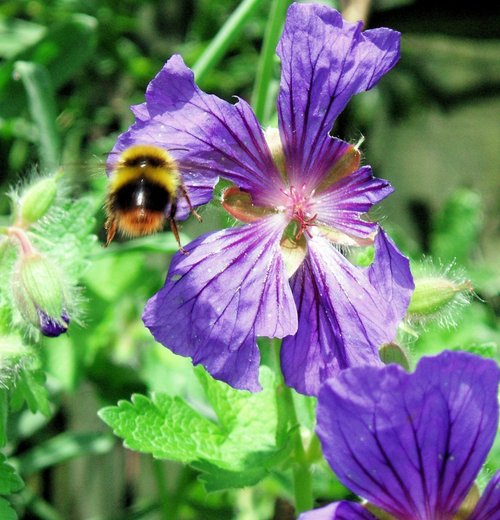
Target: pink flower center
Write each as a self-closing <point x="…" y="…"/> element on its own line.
<point x="300" y="206"/>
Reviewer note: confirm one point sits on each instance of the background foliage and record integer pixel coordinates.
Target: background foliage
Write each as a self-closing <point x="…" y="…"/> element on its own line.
<point x="69" y="69"/>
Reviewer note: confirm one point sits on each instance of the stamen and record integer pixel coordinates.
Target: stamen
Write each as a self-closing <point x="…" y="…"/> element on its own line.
<point x="298" y="208"/>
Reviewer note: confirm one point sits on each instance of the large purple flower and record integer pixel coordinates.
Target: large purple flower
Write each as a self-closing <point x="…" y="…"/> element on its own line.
<point x="300" y="192"/>
<point x="411" y="444"/>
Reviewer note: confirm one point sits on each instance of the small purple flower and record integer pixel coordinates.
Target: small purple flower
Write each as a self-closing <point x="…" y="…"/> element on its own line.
<point x="411" y="444"/>
<point x="300" y="192"/>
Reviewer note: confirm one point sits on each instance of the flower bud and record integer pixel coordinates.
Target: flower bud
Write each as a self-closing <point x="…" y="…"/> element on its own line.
<point x="39" y="294"/>
<point x="434" y="294"/>
<point x="37" y="200"/>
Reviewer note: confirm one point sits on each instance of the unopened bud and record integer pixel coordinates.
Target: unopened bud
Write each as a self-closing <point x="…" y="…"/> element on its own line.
<point x="434" y="294"/>
<point x="37" y="200"/>
<point x="39" y="294"/>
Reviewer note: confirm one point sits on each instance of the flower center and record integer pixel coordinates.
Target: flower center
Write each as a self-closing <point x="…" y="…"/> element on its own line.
<point x="300" y="210"/>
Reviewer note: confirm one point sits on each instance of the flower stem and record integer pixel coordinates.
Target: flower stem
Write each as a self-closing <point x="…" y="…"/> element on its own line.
<point x="302" y="481"/>
<point x="24" y="242"/>
<point x="265" y="71"/>
<point x="288" y="425"/>
<point x="161" y="482"/>
<point x="223" y="39"/>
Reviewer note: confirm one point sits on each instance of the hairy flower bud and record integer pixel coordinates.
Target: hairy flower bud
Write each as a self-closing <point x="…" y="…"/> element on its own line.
<point x="37" y="200"/>
<point x="39" y="294"/>
<point x="434" y="294"/>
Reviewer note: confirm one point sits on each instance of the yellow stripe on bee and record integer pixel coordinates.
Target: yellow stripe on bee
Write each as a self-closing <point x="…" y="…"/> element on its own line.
<point x="165" y="173"/>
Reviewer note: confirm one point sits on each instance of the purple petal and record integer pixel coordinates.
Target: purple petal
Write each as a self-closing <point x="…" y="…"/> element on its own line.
<point x="52" y="327"/>
<point x="342" y="319"/>
<point x="390" y="275"/>
<point x="338" y="511"/>
<point x="488" y="507"/>
<point x="411" y="444"/>
<point x="343" y="204"/>
<point x="207" y="136"/>
<point x="325" y="61"/>
<point x="230" y="288"/>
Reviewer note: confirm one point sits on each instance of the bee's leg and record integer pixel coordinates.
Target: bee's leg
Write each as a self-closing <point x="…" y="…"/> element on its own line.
<point x="110" y="227"/>
<point x="174" y="228"/>
<point x="188" y="200"/>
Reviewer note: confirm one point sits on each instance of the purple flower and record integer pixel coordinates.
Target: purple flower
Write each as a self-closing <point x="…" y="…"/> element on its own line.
<point x="411" y="444"/>
<point x="300" y="192"/>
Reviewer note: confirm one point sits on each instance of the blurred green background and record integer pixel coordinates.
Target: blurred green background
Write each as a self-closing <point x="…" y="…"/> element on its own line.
<point x="431" y="128"/>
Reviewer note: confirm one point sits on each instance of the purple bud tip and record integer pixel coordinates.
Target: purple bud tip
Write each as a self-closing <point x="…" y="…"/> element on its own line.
<point x="52" y="327"/>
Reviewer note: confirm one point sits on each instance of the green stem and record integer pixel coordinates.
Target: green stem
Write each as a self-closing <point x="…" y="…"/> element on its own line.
<point x="161" y="483"/>
<point x="260" y="97"/>
<point x="288" y="424"/>
<point x="223" y="39"/>
<point x="302" y="481"/>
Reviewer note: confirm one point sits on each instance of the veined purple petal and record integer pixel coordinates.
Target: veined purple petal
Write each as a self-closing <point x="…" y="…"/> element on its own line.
<point x="229" y="289"/>
<point x="342" y="319"/>
<point x="411" y="444"/>
<point x="325" y="61"/>
<point x="338" y="511"/>
<point x="488" y="507"/>
<point x="344" y="203"/>
<point x="208" y="136"/>
<point x="391" y="277"/>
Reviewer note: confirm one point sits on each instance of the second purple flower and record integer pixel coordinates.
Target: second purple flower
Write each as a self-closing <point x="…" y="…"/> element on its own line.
<point x="301" y="194"/>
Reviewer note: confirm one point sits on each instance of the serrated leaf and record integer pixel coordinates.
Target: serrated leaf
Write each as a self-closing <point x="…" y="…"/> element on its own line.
<point x="164" y="426"/>
<point x="30" y="389"/>
<point x="10" y="481"/>
<point x="249" y="420"/>
<point x="68" y="230"/>
<point x="237" y="450"/>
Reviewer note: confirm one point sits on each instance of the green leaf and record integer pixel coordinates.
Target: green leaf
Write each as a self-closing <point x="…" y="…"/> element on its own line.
<point x="164" y="426"/>
<point x="63" y="51"/>
<point x="216" y="478"/>
<point x="10" y="481"/>
<point x="42" y="105"/>
<point x="6" y="511"/>
<point x="17" y="35"/>
<point x="235" y="448"/>
<point x="64" y="447"/>
<point x="458" y="226"/>
<point x="30" y="389"/>
<point x="67" y="235"/>
<point x="109" y="276"/>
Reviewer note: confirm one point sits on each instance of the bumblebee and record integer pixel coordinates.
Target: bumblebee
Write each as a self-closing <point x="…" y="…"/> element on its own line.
<point x="144" y="183"/>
